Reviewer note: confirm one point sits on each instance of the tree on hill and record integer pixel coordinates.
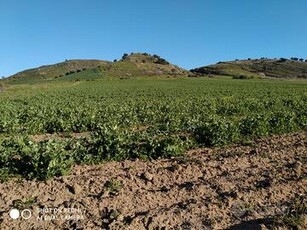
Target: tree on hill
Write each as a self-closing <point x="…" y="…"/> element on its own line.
<point x="282" y="59"/>
<point x="160" y="60"/>
<point x="124" y="56"/>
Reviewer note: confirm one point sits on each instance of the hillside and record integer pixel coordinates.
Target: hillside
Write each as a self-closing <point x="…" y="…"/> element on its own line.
<point x="143" y="64"/>
<point x="59" y="70"/>
<point x="133" y="65"/>
<point x="1" y="87"/>
<point x="255" y="68"/>
<point x="153" y="65"/>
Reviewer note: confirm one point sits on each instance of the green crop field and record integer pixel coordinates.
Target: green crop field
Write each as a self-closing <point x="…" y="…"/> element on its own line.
<point x="112" y="119"/>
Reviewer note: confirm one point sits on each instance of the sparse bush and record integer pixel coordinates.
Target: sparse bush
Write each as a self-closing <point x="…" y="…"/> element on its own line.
<point x="160" y="60"/>
<point x="113" y="185"/>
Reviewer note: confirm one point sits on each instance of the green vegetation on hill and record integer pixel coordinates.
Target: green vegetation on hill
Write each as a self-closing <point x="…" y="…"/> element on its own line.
<point x="151" y="65"/>
<point x="57" y="70"/>
<point x="146" y="65"/>
<point x="138" y="64"/>
<point x="257" y="68"/>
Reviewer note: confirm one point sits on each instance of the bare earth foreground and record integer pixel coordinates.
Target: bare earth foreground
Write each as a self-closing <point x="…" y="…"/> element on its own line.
<point x="255" y="186"/>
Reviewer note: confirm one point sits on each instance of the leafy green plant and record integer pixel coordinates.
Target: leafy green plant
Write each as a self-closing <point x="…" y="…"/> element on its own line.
<point x="138" y="118"/>
<point x="216" y="131"/>
<point x="25" y="203"/>
<point x="113" y="185"/>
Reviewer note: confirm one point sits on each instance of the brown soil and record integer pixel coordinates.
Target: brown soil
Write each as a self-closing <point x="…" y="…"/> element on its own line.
<point x="57" y="136"/>
<point x="236" y="187"/>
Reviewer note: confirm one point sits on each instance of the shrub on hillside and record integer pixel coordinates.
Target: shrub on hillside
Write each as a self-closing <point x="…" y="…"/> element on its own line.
<point x="282" y="60"/>
<point x="243" y="77"/>
<point x="160" y="60"/>
<point x="124" y="56"/>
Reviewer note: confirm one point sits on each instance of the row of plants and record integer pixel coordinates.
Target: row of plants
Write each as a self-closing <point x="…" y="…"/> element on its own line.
<point x="21" y="156"/>
<point x="140" y="119"/>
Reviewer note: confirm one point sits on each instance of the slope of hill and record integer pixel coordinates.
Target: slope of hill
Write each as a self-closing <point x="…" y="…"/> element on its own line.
<point x="59" y="70"/>
<point x="255" y="68"/>
<point x="143" y="64"/>
<point x="1" y="87"/>
<point x="133" y="65"/>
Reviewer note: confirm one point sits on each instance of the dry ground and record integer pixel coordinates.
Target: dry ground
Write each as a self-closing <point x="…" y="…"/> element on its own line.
<point x="235" y="187"/>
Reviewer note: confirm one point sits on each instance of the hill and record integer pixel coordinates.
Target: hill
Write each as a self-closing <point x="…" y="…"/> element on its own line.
<point x="153" y="65"/>
<point x="58" y="70"/>
<point x="133" y="65"/>
<point x="143" y="64"/>
<point x="256" y="68"/>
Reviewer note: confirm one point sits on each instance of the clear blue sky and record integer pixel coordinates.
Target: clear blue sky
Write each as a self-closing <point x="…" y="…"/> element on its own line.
<point x="189" y="33"/>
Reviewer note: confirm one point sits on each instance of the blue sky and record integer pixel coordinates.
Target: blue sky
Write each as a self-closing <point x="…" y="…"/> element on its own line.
<point x="189" y="33"/>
